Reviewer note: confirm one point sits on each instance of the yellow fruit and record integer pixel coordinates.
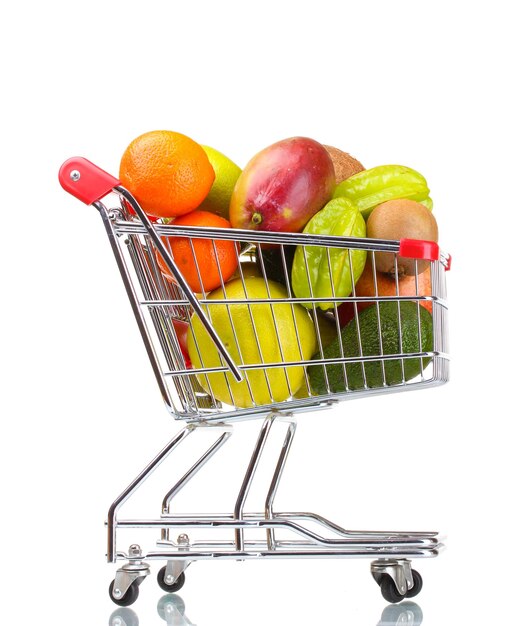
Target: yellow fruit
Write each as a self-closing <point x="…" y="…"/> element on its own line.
<point x="249" y="330"/>
<point x="249" y="270"/>
<point x="226" y="174"/>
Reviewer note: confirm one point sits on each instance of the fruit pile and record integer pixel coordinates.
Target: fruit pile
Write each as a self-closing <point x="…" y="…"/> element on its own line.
<point x="295" y="185"/>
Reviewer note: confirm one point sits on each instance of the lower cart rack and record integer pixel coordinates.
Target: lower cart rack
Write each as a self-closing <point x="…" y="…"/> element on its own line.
<point x="392" y="551"/>
<point x="349" y="543"/>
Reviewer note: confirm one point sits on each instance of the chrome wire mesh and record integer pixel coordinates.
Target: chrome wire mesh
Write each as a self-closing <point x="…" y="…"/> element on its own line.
<point x="159" y="303"/>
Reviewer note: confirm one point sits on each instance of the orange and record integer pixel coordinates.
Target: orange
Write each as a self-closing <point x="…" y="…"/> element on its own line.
<point x="167" y="172"/>
<point x="193" y="254"/>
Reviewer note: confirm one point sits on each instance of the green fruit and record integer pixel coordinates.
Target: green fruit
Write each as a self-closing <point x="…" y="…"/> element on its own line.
<point x="379" y="184"/>
<point x="226" y="174"/>
<point x="413" y="318"/>
<point x="322" y="272"/>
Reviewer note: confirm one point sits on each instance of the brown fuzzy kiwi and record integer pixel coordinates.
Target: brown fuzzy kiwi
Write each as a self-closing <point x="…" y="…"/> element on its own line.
<point x="344" y="164"/>
<point x="401" y="219"/>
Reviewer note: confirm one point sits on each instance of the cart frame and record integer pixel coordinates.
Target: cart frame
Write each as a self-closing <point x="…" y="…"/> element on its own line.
<point x="392" y="551"/>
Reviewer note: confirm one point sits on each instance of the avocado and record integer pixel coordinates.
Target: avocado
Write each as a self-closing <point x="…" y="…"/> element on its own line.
<point x="273" y="263"/>
<point x="369" y="335"/>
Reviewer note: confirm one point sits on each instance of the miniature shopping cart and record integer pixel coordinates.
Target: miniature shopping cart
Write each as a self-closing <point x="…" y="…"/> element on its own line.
<point x="161" y="302"/>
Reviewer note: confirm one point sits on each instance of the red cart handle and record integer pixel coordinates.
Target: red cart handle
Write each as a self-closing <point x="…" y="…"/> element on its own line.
<point x="85" y="181"/>
<point x="422" y="249"/>
<point x="419" y="249"/>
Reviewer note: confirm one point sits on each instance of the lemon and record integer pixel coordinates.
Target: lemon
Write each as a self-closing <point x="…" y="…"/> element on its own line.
<point x="249" y="270"/>
<point x="226" y="174"/>
<point x="253" y="334"/>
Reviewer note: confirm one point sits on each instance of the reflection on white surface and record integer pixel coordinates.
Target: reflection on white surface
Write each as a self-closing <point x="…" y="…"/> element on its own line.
<point x="123" y="616"/>
<point x="405" y="613"/>
<point x="171" y="609"/>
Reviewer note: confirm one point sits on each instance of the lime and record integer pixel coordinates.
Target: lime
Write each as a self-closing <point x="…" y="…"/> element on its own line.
<point x="226" y="174"/>
<point x="253" y="334"/>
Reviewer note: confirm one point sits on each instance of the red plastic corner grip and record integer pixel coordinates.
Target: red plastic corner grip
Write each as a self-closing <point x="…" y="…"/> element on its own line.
<point x="419" y="249"/>
<point x="85" y="181"/>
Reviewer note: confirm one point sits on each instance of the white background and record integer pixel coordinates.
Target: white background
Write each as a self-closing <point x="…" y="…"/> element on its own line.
<point x="441" y="87"/>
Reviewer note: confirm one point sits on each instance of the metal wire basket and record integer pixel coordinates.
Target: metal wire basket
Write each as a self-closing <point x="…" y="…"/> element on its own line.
<point x="163" y="302"/>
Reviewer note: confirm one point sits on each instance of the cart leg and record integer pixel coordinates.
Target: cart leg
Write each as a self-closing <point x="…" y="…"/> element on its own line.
<point x="227" y="432"/>
<point x="111" y="517"/>
<point x="171" y="577"/>
<point x="270" y="533"/>
<point x="248" y="478"/>
<point x="250" y="473"/>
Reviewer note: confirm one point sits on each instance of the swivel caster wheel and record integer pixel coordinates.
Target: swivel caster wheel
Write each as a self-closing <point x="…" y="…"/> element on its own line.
<point x="390" y="592"/>
<point x="129" y="597"/>
<point x="418" y="585"/>
<point x="124" y="589"/>
<point x="170" y="587"/>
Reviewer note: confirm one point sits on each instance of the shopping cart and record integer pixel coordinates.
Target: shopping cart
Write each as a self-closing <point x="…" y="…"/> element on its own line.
<point x="162" y="301"/>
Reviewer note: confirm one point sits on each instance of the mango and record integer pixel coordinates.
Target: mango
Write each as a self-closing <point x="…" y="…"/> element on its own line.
<point x="283" y="186"/>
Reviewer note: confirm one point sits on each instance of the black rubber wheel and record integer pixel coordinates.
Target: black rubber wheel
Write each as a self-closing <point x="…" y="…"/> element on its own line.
<point x="389" y="590"/>
<point x="129" y="597"/>
<point x="418" y="585"/>
<point x="174" y="586"/>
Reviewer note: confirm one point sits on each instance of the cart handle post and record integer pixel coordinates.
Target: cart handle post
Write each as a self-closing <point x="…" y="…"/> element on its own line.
<point x="89" y="183"/>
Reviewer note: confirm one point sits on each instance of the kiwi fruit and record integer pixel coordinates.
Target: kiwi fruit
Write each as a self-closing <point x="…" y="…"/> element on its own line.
<point x="401" y="219"/>
<point x="345" y="165"/>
